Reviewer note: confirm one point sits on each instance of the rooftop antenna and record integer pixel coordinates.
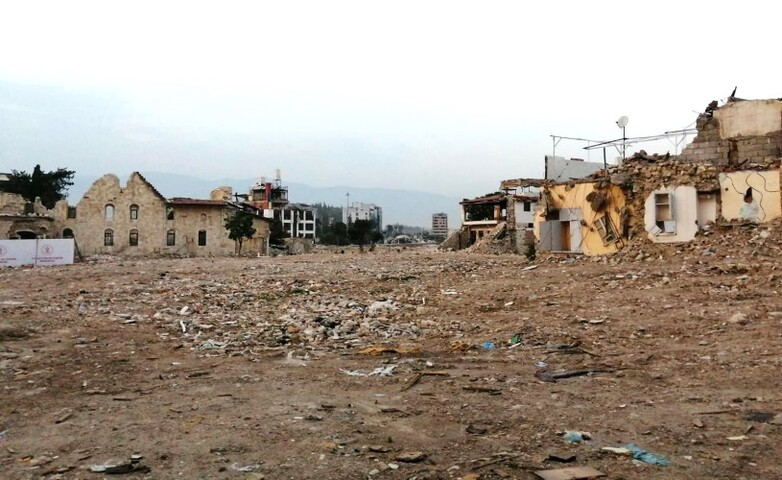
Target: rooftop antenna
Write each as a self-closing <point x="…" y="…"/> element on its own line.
<point x="277" y="175"/>
<point x="622" y="123"/>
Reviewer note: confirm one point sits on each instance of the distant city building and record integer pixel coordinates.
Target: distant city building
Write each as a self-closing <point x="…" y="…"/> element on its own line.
<point x="440" y="224"/>
<point x="297" y="219"/>
<point x="363" y="211"/>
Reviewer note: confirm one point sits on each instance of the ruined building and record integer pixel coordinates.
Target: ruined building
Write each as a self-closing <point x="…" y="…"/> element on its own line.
<point x="137" y="220"/>
<point x="297" y="219"/>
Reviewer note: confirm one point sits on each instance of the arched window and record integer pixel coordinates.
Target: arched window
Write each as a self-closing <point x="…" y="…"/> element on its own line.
<point x="170" y="238"/>
<point x="133" y="239"/>
<point x="67" y="233"/>
<point x="108" y="237"/>
<point x="134" y="212"/>
<point x="109" y="212"/>
<point x="201" y="238"/>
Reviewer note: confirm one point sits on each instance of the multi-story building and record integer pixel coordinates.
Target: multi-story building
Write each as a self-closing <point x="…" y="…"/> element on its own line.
<point x="364" y="211"/>
<point x="440" y="224"/>
<point x="297" y="219"/>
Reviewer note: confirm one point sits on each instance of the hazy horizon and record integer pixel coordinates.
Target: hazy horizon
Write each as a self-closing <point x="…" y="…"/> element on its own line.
<point x="446" y="97"/>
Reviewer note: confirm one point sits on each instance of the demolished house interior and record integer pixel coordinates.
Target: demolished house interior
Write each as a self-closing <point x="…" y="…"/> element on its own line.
<point x="728" y="173"/>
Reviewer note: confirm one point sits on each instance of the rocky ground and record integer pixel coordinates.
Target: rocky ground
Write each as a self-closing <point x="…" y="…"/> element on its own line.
<point x="398" y="364"/>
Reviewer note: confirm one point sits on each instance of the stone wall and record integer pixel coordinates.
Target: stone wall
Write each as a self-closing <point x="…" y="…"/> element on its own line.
<point x="738" y="134"/>
<point x="92" y="221"/>
<point x="141" y="215"/>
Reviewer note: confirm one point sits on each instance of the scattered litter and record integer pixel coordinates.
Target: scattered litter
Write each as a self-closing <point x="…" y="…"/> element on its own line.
<point x="386" y="371"/>
<point x="570" y="473"/>
<point x="64" y="415"/>
<point x="618" y="450"/>
<point x="531" y="267"/>
<point x="449" y="291"/>
<point x="646" y="456"/>
<point x="561" y="457"/>
<point x="515" y="340"/>
<point x="212" y="345"/>
<point x="761" y="417"/>
<point x="133" y="466"/>
<point x="488" y="345"/>
<point x="247" y="468"/>
<point x="411" y="457"/>
<point x="475" y="430"/>
<point x="576" y="437"/>
<point x="548" y="376"/>
<point x="420" y="375"/>
<point x="299" y="361"/>
<point x="738" y="438"/>
<point x="381" y="349"/>
<point x="184" y="311"/>
<point x="489" y="390"/>
<point x="378" y="307"/>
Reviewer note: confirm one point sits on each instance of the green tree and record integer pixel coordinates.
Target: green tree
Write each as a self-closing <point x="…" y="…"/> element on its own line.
<point x="50" y="187"/>
<point x="277" y="234"/>
<point x="240" y="226"/>
<point x="335" y="234"/>
<point x="360" y="232"/>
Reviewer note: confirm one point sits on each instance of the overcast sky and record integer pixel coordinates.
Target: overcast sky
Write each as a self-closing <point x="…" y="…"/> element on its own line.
<point x="442" y="96"/>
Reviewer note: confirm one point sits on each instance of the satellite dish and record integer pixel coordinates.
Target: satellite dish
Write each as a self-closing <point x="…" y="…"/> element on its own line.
<point x="622" y="122"/>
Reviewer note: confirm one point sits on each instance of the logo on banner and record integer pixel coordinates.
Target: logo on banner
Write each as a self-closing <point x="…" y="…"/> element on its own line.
<point x="47" y="249"/>
<point x="2" y="251"/>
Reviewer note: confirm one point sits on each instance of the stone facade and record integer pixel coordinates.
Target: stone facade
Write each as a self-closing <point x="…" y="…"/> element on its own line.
<point x="22" y="219"/>
<point x="137" y="220"/>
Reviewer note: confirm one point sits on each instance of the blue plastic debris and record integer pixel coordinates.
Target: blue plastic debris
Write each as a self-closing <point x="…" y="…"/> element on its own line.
<point x="646" y="456"/>
<point x="488" y="345"/>
<point x="576" y="437"/>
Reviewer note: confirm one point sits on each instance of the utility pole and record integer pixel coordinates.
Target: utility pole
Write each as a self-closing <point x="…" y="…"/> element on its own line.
<point x="347" y="208"/>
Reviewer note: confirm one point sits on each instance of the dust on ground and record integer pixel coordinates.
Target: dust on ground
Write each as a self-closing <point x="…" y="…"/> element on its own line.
<point x="249" y="368"/>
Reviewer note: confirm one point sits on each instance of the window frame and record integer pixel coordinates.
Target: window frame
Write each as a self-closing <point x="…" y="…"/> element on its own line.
<point x="108" y="237"/>
<point x="134" y="212"/>
<point x="202" y="238"/>
<point x="133" y="238"/>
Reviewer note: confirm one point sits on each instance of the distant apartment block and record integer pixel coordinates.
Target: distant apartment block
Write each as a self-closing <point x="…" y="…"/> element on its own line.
<point x="440" y="224"/>
<point x="363" y="211"/>
<point x="298" y="219"/>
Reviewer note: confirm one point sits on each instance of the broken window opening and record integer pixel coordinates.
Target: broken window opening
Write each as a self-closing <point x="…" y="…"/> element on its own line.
<point x="71" y="212"/>
<point x="663" y="213"/>
<point x="108" y="237"/>
<point x="170" y="238"/>
<point x="169" y="213"/>
<point x="109" y="212"/>
<point x="202" y="238"/>
<point x="134" y="212"/>
<point x="133" y="238"/>
<point x="606" y="229"/>
<point x="67" y="233"/>
<point x="478" y="213"/>
<point x="527" y="206"/>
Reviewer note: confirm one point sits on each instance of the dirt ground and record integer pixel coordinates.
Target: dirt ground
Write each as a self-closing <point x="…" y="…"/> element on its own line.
<point x="249" y="368"/>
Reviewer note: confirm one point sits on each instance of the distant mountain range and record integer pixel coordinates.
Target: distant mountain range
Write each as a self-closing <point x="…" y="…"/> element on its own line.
<point x="408" y="207"/>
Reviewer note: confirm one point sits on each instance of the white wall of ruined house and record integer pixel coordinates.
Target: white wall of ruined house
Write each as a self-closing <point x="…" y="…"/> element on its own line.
<point x="749" y="118"/>
<point x="525" y="217"/>
<point x="684" y="213"/>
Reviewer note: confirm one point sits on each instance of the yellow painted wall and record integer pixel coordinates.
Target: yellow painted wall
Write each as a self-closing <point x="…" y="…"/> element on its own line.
<point x="563" y="196"/>
<point x="765" y="186"/>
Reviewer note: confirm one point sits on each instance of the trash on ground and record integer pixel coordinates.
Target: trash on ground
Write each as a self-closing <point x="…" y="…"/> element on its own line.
<point x="381" y="349"/>
<point x="646" y="456"/>
<point x="570" y="473"/>
<point x="576" y="437"/>
<point x="386" y="371"/>
<point x="562" y="457"/>
<point x="133" y="466"/>
<point x="420" y="375"/>
<point x="411" y="457"/>
<point x="488" y="345"/>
